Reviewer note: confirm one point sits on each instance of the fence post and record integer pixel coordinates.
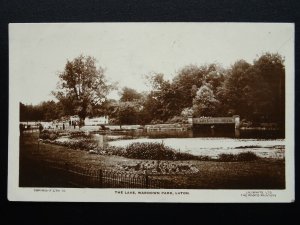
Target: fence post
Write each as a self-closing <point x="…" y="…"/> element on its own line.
<point x="147" y="179"/>
<point x="66" y="166"/>
<point x="100" y="177"/>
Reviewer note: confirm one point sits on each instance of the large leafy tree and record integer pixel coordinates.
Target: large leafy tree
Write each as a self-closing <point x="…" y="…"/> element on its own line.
<point x="128" y="113"/>
<point x="162" y="101"/>
<point x="255" y="92"/>
<point x="82" y="87"/>
<point x="234" y="91"/>
<point x="270" y="68"/>
<point x="129" y="94"/>
<point x="168" y="98"/>
<point x="190" y="78"/>
<point x="205" y="102"/>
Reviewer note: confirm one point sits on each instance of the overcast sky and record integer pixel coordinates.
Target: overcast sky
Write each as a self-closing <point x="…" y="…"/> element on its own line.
<point x="129" y="51"/>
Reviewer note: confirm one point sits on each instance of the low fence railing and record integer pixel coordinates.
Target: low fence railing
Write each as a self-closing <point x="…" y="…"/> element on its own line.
<point x="76" y="176"/>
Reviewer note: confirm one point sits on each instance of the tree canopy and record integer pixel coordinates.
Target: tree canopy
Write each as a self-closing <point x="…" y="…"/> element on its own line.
<point x="83" y="87"/>
<point x="255" y="91"/>
<point x="129" y="94"/>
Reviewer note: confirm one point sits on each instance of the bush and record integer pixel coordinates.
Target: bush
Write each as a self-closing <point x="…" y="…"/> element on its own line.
<point x="247" y="156"/>
<point x="244" y="156"/>
<point x="77" y="134"/>
<point x="187" y="156"/>
<point x="177" y="119"/>
<point x="158" y="121"/>
<point x="49" y="135"/>
<point x="227" y="158"/>
<point x="157" y="151"/>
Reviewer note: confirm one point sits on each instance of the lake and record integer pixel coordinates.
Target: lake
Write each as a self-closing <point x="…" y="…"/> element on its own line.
<point x="264" y="143"/>
<point x="200" y="146"/>
<point x="214" y="146"/>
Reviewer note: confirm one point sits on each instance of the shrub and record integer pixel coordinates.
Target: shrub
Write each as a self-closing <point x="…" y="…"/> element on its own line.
<point x="157" y="151"/>
<point x="247" y="156"/>
<point x="177" y="119"/>
<point x="77" y="134"/>
<point x="158" y="121"/>
<point x="244" y="156"/>
<point x="112" y="150"/>
<point x="187" y="156"/>
<point x="49" y="135"/>
<point x="82" y="144"/>
<point x="227" y="157"/>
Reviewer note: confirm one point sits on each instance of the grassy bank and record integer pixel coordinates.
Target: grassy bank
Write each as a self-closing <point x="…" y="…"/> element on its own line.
<point x="255" y="174"/>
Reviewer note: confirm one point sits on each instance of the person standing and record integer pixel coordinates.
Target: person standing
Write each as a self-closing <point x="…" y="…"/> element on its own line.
<point x="40" y="129"/>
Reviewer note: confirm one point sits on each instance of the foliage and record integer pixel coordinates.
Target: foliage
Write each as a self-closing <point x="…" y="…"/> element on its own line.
<point x="254" y="91"/>
<point x="82" y="88"/>
<point x="155" y="151"/>
<point x="244" y="156"/>
<point x="162" y="102"/>
<point x="128" y="112"/>
<point x="169" y="98"/>
<point x="205" y="103"/>
<point x="81" y="144"/>
<point x="149" y="151"/>
<point x="177" y="119"/>
<point x="187" y="112"/>
<point x="129" y="95"/>
<point x="45" y="111"/>
<point x="49" y="135"/>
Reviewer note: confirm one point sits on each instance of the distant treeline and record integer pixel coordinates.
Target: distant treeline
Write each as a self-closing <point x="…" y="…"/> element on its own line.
<point x="46" y="111"/>
<point x="255" y="91"/>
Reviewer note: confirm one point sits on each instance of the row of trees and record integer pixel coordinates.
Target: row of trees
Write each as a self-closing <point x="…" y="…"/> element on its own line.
<point x="45" y="111"/>
<point x="255" y="91"/>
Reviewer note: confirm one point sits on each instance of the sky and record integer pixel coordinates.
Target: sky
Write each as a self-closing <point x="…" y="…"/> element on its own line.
<point x="129" y="51"/>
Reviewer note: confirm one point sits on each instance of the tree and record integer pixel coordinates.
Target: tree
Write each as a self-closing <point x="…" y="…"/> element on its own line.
<point x="233" y="91"/>
<point x="162" y="102"/>
<point x="190" y="78"/>
<point x="205" y="103"/>
<point x="169" y="98"/>
<point x="45" y="111"/>
<point x="255" y="92"/>
<point x="129" y="94"/>
<point x="82" y="87"/>
<point x="128" y="113"/>
<point x="270" y="67"/>
<point x="50" y="110"/>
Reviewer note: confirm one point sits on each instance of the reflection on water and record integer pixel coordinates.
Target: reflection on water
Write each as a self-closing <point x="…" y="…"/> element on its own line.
<point x="243" y="134"/>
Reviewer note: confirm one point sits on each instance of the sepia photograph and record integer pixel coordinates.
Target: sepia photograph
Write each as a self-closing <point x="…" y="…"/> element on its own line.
<point x="151" y="112"/>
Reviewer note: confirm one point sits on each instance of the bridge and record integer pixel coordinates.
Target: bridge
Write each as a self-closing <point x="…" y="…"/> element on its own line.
<point x="216" y="120"/>
<point x="212" y="121"/>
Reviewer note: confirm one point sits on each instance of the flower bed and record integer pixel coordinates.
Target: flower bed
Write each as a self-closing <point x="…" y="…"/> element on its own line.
<point x="160" y="167"/>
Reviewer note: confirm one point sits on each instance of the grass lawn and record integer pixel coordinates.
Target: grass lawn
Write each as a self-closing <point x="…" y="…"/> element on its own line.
<point x="257" y="174"/>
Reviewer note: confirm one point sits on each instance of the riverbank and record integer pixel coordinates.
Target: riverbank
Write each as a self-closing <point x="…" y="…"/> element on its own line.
<point x="257" y="174"/>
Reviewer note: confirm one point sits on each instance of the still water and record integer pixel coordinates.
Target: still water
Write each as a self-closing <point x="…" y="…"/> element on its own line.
<point x="262" y="143"/>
